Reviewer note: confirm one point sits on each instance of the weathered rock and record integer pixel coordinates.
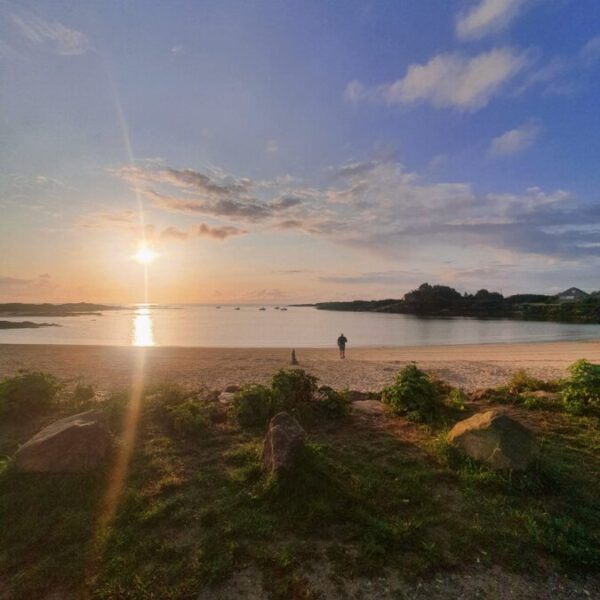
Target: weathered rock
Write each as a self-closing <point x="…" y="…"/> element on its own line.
<point x="495" y="438"/>
<point x="369" y="407"/>
<point x="282" y="443"/>
<point x="76" y="443"/>
<point x="226" y="397"/>
<point x="232" y="389"/>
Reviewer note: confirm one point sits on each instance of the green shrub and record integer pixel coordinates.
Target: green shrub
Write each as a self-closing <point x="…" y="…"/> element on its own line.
<point x="414" y="395"/>
<point x="81" y="396"/>
<point x="254" y="405"/>
<point x="293" y="388"/>
<point x="188" y="417"/>
<point x="333" y="404"/>
<point x="169" y="394"/>
<point x="581" y="391"/>
<point x="28" y="394"/>
<point x="457" y="399"/>
<point x="520" y="381"/>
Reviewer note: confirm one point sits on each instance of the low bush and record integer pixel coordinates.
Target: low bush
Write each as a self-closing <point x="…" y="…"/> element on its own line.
<point x="293" y="388"/>
<point x="520" y="381"/>
<point x="28" y="394"/>
<point x="254" y="405"/>
<point x="414" y="395"/>
<point x="188" y="417"/>
<point x="333" y="404"/>
<point x="580" y="393"/>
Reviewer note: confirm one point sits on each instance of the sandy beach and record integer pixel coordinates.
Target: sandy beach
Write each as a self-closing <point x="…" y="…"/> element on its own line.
<point x="367" y="369"/>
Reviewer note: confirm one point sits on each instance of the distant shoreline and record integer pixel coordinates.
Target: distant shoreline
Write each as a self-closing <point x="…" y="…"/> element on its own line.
<point x="25" y="325"/>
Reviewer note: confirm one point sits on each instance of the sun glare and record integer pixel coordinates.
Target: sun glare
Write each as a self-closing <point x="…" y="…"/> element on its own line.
<point x="145" y="255"/>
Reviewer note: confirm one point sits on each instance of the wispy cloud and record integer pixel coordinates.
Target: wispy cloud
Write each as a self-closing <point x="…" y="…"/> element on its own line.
<point x="108" y="219"/>
<point x="52" y="35"/>
<point x="379" y="206"/>
<point x="201" y="230"/>
<point x="487" y="16"/>
<point x="451" y="80"/>
<point x="515" y="140"/>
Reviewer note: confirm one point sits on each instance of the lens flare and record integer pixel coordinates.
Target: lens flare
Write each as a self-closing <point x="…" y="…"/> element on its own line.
<point x="145" y="255"/>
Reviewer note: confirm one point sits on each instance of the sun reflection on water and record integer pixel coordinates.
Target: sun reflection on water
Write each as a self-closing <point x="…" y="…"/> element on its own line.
<point x="143" y="334"/>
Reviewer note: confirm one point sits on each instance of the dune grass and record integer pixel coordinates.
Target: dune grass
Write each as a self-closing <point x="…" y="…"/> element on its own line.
<point x="369" y="495"/>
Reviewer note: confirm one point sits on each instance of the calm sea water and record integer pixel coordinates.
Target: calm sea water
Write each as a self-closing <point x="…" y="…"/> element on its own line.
<point x="193" y="325"/>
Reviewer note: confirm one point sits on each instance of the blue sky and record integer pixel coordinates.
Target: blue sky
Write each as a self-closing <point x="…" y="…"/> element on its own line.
<point x="292" y="151"/>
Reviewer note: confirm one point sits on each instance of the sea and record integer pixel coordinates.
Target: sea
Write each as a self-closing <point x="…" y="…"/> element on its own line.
<point x="271" y="326"/>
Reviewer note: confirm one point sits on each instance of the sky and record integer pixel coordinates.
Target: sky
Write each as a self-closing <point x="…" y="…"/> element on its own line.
<point x="297" y="151"/>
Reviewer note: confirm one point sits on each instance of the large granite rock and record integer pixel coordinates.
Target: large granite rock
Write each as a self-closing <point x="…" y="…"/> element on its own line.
<point x="76" y="443"/>
<point x="495" y="438"/>
<point x="284" y="439"/>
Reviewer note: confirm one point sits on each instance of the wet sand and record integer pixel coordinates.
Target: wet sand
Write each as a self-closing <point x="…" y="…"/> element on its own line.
<point x="369" y="369"/>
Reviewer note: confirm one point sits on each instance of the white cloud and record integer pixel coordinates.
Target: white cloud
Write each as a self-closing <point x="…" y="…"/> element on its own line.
<point x="515" y="140"/>
<point x="487" y="16"/>
<point x="455" y="80"/>
<point x="53" y="35"/>
<point x="590" y="53"/>
<point x="271" y="146"/>
<point x="354" y="92"/>
<point x="177" y="49"/>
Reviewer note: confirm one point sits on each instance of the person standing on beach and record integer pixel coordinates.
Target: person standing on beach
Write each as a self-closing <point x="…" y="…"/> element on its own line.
<point x="341" y="342"/>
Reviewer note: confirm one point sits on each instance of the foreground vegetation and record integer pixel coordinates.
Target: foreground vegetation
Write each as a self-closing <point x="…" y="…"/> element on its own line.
<point x="370" y="494"/>
<point x="442" y="300"/>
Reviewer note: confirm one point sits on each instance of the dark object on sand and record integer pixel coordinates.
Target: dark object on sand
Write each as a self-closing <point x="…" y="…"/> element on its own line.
<point x="294" y="361"/>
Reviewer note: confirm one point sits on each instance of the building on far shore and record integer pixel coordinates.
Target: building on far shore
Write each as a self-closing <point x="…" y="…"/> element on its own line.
<point x="573" y="294"/>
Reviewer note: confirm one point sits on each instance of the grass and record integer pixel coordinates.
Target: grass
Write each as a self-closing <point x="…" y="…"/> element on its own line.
<point x="196" y="506"/>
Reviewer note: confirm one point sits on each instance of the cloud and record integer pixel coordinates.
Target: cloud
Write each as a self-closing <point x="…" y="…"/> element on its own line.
<point x="378" y="277"/>
<point x="515" y="140"/>
<point x="564" y="75"/>
<point x="451" y="80"/>
<point x="9" y="281"/>
<point x="214" y="194"/>
<point x="355" y="92"/>
<point x="108" y="220"/>
<point x="381" y="207"/>
<point x="177" y="49"/>
<point x="487" y="16"/>
<point x="272" y="146"/>
<point x="52" y="35"/>
<point x="202" y="230"/>
<point x="590" y="53"/>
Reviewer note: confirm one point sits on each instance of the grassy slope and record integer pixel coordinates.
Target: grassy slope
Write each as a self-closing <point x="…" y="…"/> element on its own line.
<point x="371" y="494"/>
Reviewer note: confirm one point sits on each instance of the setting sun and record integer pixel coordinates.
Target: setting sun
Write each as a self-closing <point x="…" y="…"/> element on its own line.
<point x="145" y="255"/>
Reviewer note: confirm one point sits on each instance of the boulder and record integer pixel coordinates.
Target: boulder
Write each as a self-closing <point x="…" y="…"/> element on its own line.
<point x="226" y="397"/>
<point x="76" y="443"/>
<point x="232" y="389"/>
<point x="285" y="438"/>
<point x="494" y="438"/>
<point x="369" y="407"/>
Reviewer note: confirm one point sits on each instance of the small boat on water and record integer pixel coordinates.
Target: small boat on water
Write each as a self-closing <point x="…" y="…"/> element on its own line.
<point x="262" y="308"/>
<point x="277" y="308"/>
<point x="237" y="308"/>
<point x="283" y="308"/>
<point x="217" y="307"/>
